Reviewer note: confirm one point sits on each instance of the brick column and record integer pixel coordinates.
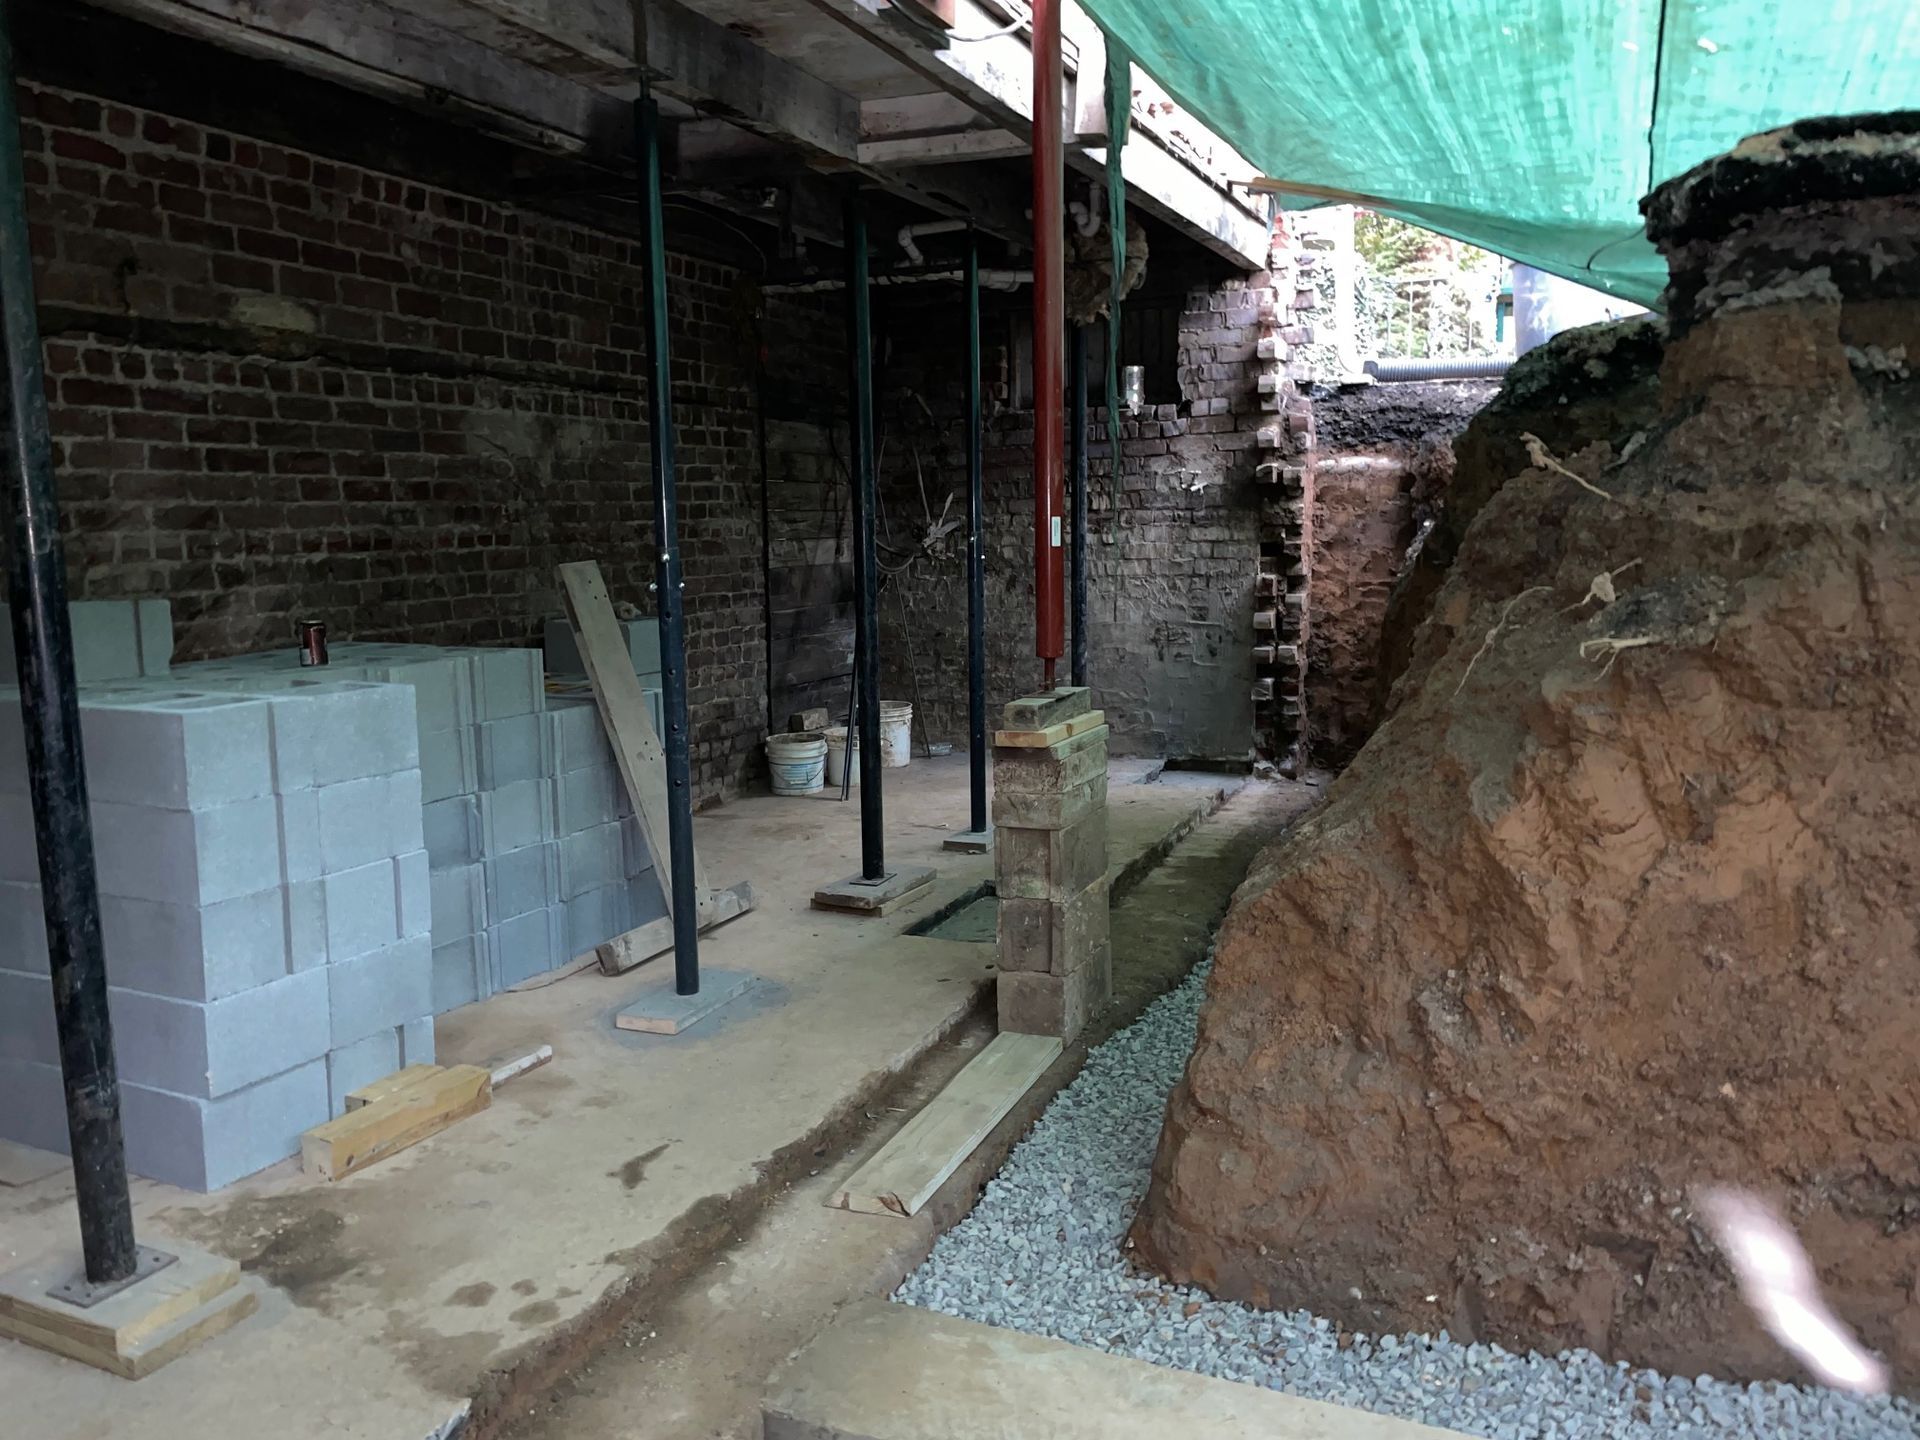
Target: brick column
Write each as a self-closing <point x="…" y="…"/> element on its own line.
<point x="1050" y="864"/>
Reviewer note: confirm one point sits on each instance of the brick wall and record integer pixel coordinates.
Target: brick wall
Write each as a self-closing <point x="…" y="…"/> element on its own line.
<point x="285" y="386"/>
<point x="1176" y="545"/>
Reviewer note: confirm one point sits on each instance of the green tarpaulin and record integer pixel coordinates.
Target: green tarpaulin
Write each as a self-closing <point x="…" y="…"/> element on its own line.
<point x="1529" y="127"/>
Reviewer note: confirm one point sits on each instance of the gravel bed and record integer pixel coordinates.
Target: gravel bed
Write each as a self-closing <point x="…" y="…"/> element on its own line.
<point x="1041" y="1253"/>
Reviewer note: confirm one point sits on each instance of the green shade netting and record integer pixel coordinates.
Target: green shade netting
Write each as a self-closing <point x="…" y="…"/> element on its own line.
<point x="1529" y="127"/>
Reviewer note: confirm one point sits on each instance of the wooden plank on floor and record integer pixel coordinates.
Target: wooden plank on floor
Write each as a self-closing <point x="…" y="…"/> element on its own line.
<point x="1053" y="734"/>
<point x="903" y="1175"/>
<point x="396" y="1120"/>
<point x="641" y="944"/>
<point x="623" y="710"/>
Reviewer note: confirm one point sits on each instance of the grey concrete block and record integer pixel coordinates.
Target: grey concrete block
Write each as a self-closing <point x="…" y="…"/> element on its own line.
<point x="597" y="916"/>
<point x="196" y="952"/>
<point x="413" y="893"/>
<point x="576" y="735"/>
<point x="27" y="1031"/>
<point x="166" y="748"/>
<point x="297" y="816"/>
<point x="442" y="684"/>
<point x="512" y="750"/>
<point x="362" y="913"/>
<point x="516" y="816"/>
<point x="588" y="797"/>
<point x="448" y="766"/>
<point x="214" y="1048"/>
<point x="364" y="1061"/>
<point x="406" y="819"/>
<point x="154" y="621"/>
<point x="462" y="972"/>
<point x="355" y="823"/>
<point x="184" y="1140"/>
<point x="416" y="1042"/>
<point x="23" y="927"/>
<point x="527" y="945"/>
<point x="19" y="858"/>
<point x="106" y="642"/>
<point x="380" y="991"/>
<point x="592" y="860"/>
<point x="506" y="683"/>
<point x="639" y="856"/>
<point x="562" y="646"/>
<point x="523" y="880"/>
<point x="186" y="857"/>
<point x="459" y="902"/>
<point x="451" y="829"/>
<point x="326" y="732"/>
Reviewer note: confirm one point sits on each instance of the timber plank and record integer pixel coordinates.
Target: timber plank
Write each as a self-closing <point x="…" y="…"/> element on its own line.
<point x="395" y="1121"/>
<point x="1052" y="735"/>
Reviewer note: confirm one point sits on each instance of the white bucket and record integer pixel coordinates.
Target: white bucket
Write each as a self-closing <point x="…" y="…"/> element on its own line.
<point x="796" y="762"/>
<point x="837" y="756"/>
<point x="896" y="733"/>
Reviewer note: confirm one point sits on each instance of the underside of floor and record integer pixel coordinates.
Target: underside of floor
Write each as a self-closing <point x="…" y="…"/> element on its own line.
<point x="643" y="1197"/>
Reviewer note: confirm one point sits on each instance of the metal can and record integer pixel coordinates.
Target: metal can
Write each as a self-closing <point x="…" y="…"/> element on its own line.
<point x="312" y="635"/>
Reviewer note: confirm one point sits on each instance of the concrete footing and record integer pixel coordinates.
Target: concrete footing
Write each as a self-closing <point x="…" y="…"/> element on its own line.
<point x="892" y="1372"/>
<point x="970" y="842"/>
<point x="658" y="1010"/>
<point x="860" y="896"/>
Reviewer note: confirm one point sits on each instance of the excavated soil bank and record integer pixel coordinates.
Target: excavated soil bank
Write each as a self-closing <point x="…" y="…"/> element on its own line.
<point x="1620" y="900"/>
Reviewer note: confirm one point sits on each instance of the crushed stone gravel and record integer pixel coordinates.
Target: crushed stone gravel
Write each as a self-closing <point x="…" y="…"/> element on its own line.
<point x="1041" y="1253"/>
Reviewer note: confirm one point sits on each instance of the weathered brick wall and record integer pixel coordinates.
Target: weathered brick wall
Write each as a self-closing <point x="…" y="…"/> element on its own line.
<point x="285" y="386"/>
<point x="1175" y="550"/>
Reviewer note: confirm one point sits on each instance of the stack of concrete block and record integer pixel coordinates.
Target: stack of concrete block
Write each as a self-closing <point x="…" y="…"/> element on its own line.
<point x="112" y="640"/>
<point x="1050" y="865"/>
<point x="642" y="636"/>
<point x="263" y="905"/>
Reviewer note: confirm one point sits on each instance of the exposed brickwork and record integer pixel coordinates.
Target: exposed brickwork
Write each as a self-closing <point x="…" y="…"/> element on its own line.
<point x="1175" y="547"/>
<point x="284" y="386"/>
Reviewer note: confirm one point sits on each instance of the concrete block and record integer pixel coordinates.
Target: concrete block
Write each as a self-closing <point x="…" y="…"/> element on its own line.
<point x="214" y="1048"/>
<point x="459" y="901"/>
<point x="416" y="1042"/>
<point x="516" y="816"/>
<point x="185" y="1140"/>
<point x="187" y="857"/>
<point x="522" y="880"/>
<point x="563" y="648"/>
<point x="27" y="1030"/>
<point x="506" y="683"/>
<point x="1036" y="1004"/>
<point x="106" y="642"/>
<point x="413" y="893"/>
<point x="462" y="972"/>
<point x="448" y="766"/>
<point x="195" y="952"/>
<point x="442" y="685"/>
<point x="588" y="797"/>
<point x="356" y="823"/>
<point x="305" y="903"/>
<point x="363" y="912"/>
<point x="527" y="945"/>
<point x="154" y="621"/>
<point x="1054" y="937"/>
<point x="576" y="737"/>
<point x="597" y="916"/>
<point x="591" y="860"/>
<point x="169" y="749"/>
<point x="352" y="1066"/>
<point x="1050" y="864"/>
<point x="1049" y="810"/>
<point x="297" y="816"/>
<point x="639" y="855"/>
<point x="380" y="991"/>
<point x="23" y="927"/>
<point x="512" y="750"/>
<point x="326" y="732"/>
<point x="451" y="829"/>
<point x="406" y="820"/>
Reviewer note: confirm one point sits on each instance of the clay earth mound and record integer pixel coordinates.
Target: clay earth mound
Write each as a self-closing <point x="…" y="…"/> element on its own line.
<point x="1622" y="897"/>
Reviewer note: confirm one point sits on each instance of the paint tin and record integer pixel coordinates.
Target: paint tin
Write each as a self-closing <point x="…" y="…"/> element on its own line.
<point x="312" y="636"/>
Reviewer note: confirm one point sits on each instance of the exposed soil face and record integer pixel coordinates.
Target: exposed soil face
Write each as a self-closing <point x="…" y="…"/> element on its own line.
<point x="1619" y="900"/>
<point x="1382" y="467"/>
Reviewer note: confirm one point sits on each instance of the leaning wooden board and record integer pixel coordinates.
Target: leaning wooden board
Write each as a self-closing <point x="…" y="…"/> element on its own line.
<point x="903" y="1175"/>
<point x="623" y="710"/>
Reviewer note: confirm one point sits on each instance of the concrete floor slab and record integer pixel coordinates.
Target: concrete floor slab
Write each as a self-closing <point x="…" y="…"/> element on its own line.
<point x="892" y="1372"/>
<point x="395" y="1297"/>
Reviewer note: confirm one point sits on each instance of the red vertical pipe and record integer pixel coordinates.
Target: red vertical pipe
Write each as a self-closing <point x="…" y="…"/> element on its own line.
<point x="1049" y="340"/>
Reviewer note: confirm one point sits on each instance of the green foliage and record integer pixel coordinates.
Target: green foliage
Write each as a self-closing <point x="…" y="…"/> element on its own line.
<point x="1389" y="246"/>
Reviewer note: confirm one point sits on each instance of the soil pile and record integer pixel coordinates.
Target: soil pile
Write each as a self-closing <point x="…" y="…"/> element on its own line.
<point x="1620" y="900"/>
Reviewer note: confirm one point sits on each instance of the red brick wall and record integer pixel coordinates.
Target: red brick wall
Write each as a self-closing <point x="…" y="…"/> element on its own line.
<point x="284" y="387"/>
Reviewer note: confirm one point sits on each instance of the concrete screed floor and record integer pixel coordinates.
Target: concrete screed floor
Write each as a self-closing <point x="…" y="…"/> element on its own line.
<point x="497" y="1254"/>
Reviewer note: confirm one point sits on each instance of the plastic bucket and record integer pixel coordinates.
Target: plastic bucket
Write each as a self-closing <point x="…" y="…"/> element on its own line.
<point x="836" y="742"/>
<point x="797" y="762"/>
<point x="896" y="733"/>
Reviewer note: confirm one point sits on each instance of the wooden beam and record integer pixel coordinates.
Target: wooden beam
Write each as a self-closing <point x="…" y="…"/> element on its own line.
<point x="377" y="49"/>
<point x="394" y="1120"/>
<point x="623" y="711"/>
<point x="1171" y="190"/>
<point x="692" y="59"/>
<point x="906" y="1172"/>
<point x="953" y="148"/>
